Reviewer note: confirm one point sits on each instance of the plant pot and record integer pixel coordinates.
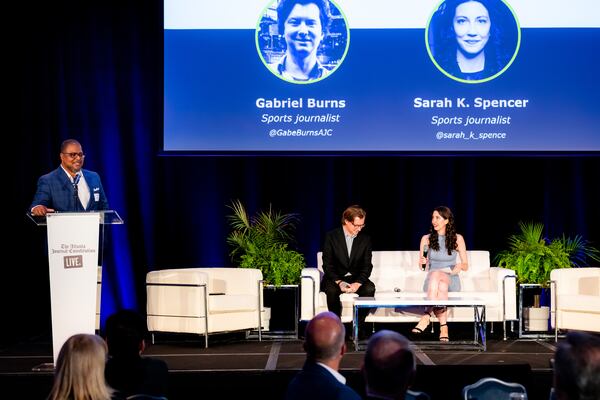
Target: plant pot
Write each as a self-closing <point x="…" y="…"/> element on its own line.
<point x="536" y="318"/>
<point x="283" y="301"/>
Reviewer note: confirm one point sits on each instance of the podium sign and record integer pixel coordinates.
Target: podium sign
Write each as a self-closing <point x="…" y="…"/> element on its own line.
<point x="73" y="261"/>
<point x="75" y="241"/>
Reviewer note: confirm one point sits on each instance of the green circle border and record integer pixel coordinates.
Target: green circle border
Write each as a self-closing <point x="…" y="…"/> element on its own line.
<point x="302" y="82"/>
<point x="497" y="74"/>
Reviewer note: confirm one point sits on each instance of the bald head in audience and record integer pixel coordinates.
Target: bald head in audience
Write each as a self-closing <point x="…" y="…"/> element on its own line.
<point x="324" y="340"/>
<point x="389" y="365"/>
<point x="577" y="367"/>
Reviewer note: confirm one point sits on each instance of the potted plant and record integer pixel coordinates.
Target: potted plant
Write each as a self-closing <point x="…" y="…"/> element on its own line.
<point x="263" y="241"/>
<point x="533" y="257"/>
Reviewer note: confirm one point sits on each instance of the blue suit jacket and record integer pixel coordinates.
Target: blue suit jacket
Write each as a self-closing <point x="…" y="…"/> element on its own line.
<point x="54" y="190"/>
<point x="315" y="383"/>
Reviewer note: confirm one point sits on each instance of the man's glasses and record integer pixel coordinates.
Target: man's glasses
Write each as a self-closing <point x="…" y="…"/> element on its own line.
<point x="359" y="226"/>
<point x="74" y="155"/>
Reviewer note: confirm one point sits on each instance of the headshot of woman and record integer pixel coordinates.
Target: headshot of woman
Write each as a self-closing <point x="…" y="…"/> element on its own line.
<point x="442" y="245"/>
<point x="473" y="39"/>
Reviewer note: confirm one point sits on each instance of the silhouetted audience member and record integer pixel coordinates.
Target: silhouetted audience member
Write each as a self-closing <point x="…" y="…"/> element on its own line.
<point x="389" y="366"/>
<point x="126" y="370"/>
<point x="577" y="367"/>
<point x="324" y="346"/>
<point x="79" y="373"/>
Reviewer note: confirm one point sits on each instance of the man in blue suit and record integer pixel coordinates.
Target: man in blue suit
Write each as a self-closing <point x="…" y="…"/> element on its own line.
<point x="69" y="187"/>
<point x="325" y="346"/>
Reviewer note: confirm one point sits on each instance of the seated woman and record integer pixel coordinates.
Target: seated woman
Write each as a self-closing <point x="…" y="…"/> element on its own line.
<point x="444" y="244"/>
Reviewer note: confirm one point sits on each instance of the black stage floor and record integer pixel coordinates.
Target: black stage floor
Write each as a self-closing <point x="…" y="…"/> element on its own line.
<point x="233" y="367"/>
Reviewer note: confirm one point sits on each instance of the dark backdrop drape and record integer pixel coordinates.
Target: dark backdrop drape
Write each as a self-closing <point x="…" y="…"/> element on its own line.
<point x="93" y="71"/>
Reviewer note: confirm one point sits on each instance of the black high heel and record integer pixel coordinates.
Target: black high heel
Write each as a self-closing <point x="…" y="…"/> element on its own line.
<point x="443" y="338"/>
<point x="418" y="331"/>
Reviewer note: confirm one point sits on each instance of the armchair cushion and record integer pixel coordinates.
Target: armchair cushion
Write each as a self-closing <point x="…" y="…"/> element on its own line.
<point x="576" y="298"/>
<point x="232" y="303"/>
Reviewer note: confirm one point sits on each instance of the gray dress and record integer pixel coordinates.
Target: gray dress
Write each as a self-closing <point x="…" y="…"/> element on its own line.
<point x="439" y="259"/>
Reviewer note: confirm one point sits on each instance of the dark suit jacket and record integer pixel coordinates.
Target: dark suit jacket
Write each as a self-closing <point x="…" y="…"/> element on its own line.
<point x="138" y="375"/>
<point x="336" y="262"/>
<point x="54" y="190"/>
<point x="315" y="383"/>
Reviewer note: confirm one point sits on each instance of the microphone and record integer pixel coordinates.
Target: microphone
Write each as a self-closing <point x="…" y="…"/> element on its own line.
<point x="425" y="250"/>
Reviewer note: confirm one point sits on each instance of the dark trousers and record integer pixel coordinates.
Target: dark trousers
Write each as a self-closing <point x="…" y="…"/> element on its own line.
<point x="333" y="291"/>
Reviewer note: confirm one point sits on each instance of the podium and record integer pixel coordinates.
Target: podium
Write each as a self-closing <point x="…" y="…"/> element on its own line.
<point x="75" y="243"/>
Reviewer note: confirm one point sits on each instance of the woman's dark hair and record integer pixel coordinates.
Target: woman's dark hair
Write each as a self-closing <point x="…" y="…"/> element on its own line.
<point x="451" y="244"/>
<point x="442" y="38"/>
<point x="284" y="8"/>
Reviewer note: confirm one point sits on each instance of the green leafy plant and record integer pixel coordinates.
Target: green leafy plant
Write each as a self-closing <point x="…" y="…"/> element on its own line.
<point x="533" y="257"/>
<point x="262" y="242"/>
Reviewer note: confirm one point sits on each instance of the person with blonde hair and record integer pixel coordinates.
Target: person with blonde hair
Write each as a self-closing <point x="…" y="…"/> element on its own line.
<point x="79" y="373"/>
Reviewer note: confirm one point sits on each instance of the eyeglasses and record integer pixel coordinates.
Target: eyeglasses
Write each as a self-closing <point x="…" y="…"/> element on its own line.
<point x="359" y="226"/>
<point x="74" y="155"/>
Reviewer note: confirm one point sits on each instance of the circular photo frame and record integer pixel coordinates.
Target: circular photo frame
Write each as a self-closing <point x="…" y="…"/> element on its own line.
<point x="473" y="41"/>
<point x="302" y="41"/>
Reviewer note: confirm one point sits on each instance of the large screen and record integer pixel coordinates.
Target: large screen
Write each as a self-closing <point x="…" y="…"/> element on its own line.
<point x="381" y="75"/>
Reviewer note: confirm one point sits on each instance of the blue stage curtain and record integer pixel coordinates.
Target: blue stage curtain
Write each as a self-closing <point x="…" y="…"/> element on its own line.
<point x="93" y="71"/>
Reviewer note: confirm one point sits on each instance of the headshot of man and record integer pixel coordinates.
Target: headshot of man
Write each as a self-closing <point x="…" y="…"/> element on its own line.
<point x="303" y="25"/>
<point x="472" y="40"/>
<point x="302" y="41"/>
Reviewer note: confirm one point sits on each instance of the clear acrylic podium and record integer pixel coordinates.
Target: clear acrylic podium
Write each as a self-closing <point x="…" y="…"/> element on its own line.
<point x="75" y="245"/>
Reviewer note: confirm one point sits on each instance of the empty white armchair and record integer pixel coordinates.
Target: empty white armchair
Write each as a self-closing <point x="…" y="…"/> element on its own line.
<point x="205" y="300"/>
<point x="576" y="298"/>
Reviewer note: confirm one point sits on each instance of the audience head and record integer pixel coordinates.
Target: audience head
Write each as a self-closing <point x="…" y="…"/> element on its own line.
<point x="577" y="367"/>
<point x="324" y="338"/>
<point x="389" y="365"/>
<point x="125" y="332"/>
<point x="80" y="369"/>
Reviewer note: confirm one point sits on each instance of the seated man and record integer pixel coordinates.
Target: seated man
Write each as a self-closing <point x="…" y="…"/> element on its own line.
<point x="126" y="370"/>
<point x="577" y="367"/>
<point x="347" y="261"/>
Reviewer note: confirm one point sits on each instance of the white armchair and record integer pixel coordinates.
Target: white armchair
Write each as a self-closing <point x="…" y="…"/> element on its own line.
<point x="205" y="300"/>
<point x="576" y="298"/>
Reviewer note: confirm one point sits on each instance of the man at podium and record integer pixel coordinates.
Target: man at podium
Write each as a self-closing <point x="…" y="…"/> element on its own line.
<point x="69" y="187"/>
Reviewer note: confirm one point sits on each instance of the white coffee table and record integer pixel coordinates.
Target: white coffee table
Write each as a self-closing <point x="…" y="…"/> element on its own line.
<point x="478" y="305"/>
